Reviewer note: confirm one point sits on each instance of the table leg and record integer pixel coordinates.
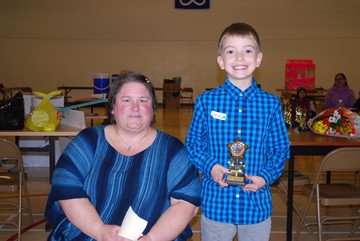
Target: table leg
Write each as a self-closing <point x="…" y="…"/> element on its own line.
<point x="328" y="177"/>
<point x="51" y="156"/>
<point x="50" y="149"/>
<point x="290" y="197"/>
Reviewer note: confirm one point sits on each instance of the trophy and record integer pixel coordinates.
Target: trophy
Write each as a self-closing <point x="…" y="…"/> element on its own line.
<point x="236" y="177"/>
<point x="300" y="117"/>
<point x="287" y="115"/>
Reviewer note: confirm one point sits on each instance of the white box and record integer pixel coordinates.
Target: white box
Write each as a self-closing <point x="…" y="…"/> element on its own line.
<point x="37" y="159"/>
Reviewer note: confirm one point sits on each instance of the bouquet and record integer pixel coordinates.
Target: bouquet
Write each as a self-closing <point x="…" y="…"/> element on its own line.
<point x="340" y="122"/>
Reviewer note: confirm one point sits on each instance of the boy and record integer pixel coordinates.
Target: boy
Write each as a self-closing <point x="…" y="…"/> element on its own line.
<point x="238" y="111"/>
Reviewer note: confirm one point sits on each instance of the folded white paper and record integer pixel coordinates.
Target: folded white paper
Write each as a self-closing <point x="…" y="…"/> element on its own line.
<point x="132" y="225"/>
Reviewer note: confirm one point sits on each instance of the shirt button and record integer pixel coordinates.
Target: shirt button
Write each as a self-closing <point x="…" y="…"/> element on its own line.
<point x="241" y="94"/>
<point x="240" y="110"/>
<point x="239" y="131"/>
<point x="237" y="195"/>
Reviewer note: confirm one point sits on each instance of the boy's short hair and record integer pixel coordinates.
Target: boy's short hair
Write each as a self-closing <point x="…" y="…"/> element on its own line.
<point x="239" y="29"/>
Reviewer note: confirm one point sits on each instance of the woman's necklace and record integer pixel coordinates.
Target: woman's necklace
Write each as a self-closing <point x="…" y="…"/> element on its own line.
<point x="136" y="143"/>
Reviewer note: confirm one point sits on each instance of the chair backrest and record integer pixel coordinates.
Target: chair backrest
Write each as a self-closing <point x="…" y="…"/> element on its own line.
<point x="187" y="89"/>
<point x="342" y="159"/>
<point x="10" y="92"/>
<point x="10" y="151"/>
<point x="187" y="92"/>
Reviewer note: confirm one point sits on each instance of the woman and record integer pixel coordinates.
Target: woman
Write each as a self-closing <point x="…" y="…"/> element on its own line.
<point x="339" y="95"/>
<point x="107" y="169"/>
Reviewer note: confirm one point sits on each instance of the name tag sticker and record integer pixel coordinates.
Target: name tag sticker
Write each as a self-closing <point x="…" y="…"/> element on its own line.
<point x="218" y="115"/>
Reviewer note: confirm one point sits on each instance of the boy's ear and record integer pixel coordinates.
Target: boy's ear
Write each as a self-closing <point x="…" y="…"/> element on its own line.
<point x="220" y="62"/>
<point x="259" y="59"/>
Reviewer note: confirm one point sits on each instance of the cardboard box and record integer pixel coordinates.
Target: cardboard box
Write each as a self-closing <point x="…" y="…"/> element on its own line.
<point x="299" y="73"/>
<point x="173" y="103"/>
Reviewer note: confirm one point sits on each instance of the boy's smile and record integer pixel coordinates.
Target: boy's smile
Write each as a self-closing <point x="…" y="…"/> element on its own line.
<point x="239" y="58"/>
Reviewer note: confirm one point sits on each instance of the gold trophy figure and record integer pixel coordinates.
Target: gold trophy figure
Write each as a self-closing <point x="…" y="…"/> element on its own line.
<point x="287" y="114"/>
<point x="300" y="117"/>
<point x="236" y="177"/>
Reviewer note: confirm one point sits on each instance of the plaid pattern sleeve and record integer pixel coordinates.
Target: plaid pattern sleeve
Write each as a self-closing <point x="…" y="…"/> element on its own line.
<point x="221" y="115"/>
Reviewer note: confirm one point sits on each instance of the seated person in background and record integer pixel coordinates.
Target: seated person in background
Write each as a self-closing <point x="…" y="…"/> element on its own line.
<point x="357" y="105"/>
<point x="302" y="101"/>
<point x="339" y="95"/>
<point x="128" y="163"/>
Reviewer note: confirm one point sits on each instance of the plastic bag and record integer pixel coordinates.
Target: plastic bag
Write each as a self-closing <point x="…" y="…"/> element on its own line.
<point x="44" y="117"/>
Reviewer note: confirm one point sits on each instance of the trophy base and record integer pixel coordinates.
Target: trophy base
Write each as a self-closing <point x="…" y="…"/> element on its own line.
<point x="235" y="181"/>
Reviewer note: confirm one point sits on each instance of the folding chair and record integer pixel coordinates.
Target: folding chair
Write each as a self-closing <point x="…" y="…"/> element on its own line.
<point x="336" y="193"/>
<point x="186" y="95"/>
<point x="281" y="184"/>
<point x="12" y="179"/>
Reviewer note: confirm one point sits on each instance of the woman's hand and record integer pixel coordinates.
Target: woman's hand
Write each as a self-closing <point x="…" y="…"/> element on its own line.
<point x="83" y="215"/>
<point x="145" y="238"/>
<point x="109" y="233"/>
<point x="168" y="227"/>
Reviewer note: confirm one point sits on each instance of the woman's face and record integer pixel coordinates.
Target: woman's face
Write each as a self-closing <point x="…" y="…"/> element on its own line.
<point x="133" y="107"/>
<point x="340" y="81"/>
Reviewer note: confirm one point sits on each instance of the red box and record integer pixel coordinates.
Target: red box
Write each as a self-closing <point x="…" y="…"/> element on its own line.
<point x="299" y="73"/>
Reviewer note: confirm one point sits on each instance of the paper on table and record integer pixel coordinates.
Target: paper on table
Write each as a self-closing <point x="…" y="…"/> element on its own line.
<point x="132" y="225"/>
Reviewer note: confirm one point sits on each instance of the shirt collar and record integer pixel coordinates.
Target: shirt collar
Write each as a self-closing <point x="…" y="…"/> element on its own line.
<point x="235" y="92"/>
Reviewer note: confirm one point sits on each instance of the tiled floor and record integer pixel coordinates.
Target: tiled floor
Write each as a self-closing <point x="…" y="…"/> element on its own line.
<point x="176" y="123"/>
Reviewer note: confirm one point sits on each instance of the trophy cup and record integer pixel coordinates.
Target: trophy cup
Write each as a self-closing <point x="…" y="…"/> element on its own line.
<point x="300" y="117"/>
<point x="236" y="177"/>
<point x="287" y="115"/>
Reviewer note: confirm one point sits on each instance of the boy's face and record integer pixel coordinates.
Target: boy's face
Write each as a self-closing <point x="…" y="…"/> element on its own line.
<point x="239" y="58"/>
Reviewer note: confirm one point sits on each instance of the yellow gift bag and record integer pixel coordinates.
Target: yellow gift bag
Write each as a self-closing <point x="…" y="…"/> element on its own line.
<point x="44" y="117"/>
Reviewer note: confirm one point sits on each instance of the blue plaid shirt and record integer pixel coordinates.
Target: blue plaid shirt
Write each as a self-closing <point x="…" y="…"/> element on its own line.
<point x="221" y="115"/>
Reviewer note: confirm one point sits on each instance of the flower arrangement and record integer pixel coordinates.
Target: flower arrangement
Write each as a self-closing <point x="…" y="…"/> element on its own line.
<point x="339" y="122"/>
